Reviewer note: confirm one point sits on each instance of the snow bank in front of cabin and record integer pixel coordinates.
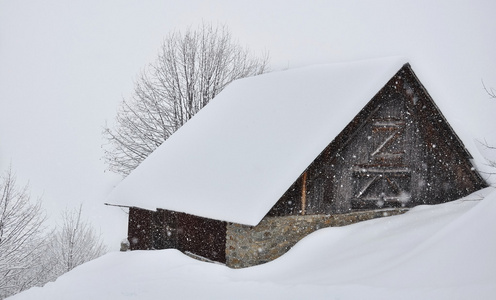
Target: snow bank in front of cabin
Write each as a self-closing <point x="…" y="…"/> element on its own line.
<point x="445" y="251"/>
<point x="239" y="154"/>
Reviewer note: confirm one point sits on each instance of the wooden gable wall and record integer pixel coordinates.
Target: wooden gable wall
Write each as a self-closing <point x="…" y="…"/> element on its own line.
<point x="398" y="151"/>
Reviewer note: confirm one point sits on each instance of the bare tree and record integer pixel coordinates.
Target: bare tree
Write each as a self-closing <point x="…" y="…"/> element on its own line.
<point x="30" y="255"/>
<point x="21" y="239"/>
<point x="492" y="163"/>
<point x="490" y="91"/>
<point x="75" y="243"/>
<point x="191" y="69"/>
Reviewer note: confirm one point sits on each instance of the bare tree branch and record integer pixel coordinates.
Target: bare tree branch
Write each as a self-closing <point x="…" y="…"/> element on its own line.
<point x="29" y="254"/>
<point x="191" y="69"/>
<point x="75" y="243"/>
<point x="21" y="242"/>
<point x="490" y="91"/>
<point x="491" y="163"/>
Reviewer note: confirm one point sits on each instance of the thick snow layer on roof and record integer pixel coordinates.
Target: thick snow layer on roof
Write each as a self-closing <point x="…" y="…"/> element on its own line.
<point x="238" y="155"/>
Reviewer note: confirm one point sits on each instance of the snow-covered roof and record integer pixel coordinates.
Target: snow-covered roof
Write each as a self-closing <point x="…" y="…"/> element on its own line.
<point x="240" y="153"/>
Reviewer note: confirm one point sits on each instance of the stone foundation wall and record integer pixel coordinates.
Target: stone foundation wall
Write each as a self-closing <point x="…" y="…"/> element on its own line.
<point x="249" y="246"/>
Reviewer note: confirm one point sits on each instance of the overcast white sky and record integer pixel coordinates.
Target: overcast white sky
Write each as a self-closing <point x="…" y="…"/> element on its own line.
<point x="65" y="65"/>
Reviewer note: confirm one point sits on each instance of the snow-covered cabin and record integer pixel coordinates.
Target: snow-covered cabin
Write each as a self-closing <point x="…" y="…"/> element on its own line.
<point x="295" y="149"/>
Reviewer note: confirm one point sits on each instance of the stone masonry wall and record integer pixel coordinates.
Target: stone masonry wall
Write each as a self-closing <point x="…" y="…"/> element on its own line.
<point x="249" y="246"/>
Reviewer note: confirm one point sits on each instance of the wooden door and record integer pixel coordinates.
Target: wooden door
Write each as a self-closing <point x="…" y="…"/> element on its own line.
<point x="385" y="179"/>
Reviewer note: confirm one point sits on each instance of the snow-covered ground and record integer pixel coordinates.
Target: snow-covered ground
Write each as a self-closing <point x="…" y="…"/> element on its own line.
<point x="445" y="251"/>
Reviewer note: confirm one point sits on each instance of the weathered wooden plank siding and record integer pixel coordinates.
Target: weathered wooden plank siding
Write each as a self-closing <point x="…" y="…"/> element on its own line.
<point x="164" y="229"/>
<point x="201" y="236"/>
<point x="166" y="233"/>
<point x="140" y="229"/>
<point x="398" y="151"/>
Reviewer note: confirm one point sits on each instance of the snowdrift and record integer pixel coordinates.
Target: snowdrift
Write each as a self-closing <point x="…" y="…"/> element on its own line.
<point x="446" y="251"/>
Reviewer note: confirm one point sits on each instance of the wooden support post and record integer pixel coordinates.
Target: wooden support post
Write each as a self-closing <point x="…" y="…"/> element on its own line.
<point x="304" y="193"/>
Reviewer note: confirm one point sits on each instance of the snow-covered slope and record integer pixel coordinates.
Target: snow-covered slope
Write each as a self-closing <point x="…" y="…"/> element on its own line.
<point x="445" y="251"/>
